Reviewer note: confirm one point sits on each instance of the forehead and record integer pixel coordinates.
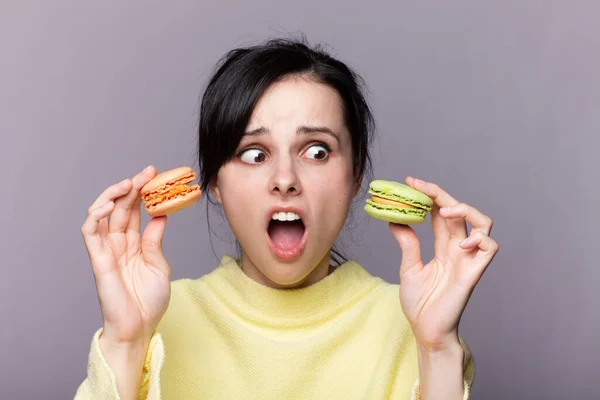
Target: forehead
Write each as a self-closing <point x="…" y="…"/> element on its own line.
<point x="297" y="101"/>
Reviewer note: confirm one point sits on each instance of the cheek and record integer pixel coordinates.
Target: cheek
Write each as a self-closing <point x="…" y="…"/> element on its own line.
<point x="237" y="206"/>
<point x="235" y="185"/>
<point x="236" y="195"/>
<point x="334" y="193"/>
<point x="343" y="181"/>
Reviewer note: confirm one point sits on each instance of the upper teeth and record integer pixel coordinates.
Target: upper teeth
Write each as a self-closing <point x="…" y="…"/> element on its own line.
<point x="283" y="216"/>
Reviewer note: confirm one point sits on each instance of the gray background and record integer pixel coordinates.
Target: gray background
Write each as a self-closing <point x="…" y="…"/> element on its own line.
<point x="495" y="101"/>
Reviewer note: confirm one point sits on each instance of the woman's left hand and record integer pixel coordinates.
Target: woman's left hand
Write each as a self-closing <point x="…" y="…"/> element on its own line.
<point x="433" y="296"/>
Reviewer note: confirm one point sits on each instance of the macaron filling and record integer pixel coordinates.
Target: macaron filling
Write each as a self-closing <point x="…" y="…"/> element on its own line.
<point x="170" y="190"/>
<point x="392" y="203"/>
<point x="419" y="212"/>
<point x="389" y="195"/>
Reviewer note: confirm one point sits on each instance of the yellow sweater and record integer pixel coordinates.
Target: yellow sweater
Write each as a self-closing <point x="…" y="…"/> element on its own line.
<point x="225" y="336"/>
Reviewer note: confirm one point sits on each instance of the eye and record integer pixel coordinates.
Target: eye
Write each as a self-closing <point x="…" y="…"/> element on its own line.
<point x="253" y="156"/>
<point x="317" y="152"/>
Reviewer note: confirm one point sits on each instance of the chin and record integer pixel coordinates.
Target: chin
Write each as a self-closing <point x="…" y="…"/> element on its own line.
<point x="298" y="273"/>
<point x="284" y="276"/>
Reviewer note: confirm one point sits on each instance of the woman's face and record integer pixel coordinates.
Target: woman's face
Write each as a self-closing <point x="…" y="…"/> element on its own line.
<point x="295" y="160"/>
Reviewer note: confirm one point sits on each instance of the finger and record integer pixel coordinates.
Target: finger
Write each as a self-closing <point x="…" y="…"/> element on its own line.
<point x="441" y="233"/>
<point x="152" y="245"/>
<point x="410" y="246"/>
<point x="478" y="221"/>
<point x="89" y="229"/>
<point x="486" y="246"/>
<point x="119" y="219"/>
<point x="135" y="216"/>
<point x="102" y="228"/>
<point x="441" y="198"/>
<point x="111" y="193"/>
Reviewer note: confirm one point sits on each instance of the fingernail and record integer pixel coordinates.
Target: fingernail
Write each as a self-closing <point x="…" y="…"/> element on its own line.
<point x="464" y="242"/>
<point x="123" y="181"/>
<point x="147" y="168"/>
<point x="444" y="210"/>
<point x="420" y="182"/>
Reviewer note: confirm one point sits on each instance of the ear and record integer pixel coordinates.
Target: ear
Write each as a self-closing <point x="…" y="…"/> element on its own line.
<point x="214" y="188"/>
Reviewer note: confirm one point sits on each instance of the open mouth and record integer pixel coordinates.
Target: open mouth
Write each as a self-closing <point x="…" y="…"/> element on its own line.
<point x="287" y="235"/>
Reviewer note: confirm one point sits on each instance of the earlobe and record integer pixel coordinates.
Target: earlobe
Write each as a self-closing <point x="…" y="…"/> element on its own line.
<point x="214" y="188"/>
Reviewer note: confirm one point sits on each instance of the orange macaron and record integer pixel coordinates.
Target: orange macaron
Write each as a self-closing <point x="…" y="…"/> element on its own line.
<point x="169" y="192"/>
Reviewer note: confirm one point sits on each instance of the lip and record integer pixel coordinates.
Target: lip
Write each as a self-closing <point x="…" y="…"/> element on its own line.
<point x="286" y="255"/>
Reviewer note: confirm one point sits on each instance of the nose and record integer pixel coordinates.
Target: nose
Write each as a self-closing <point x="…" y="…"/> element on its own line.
<point x="284" y="179"/>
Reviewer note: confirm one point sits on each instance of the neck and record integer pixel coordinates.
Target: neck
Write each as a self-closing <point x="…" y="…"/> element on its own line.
<point x="320" y="271"/>
<point x="290" y="308"/>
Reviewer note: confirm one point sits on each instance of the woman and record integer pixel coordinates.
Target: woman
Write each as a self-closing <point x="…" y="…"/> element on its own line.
<point x="284" y="128"/>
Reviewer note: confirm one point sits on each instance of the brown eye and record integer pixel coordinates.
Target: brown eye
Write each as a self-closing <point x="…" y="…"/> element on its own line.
<point x="253" y="156"/>
<point x="317" y="152"/>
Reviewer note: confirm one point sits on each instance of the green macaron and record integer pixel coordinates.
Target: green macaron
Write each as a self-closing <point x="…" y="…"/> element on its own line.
<point x="397" y="203"/>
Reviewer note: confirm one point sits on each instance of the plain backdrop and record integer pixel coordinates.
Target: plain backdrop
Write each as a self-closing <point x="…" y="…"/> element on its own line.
<point x="496" y="101"/>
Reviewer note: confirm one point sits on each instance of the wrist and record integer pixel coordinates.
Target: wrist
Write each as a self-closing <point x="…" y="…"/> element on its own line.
<point x="446" y="344"/>
<point x="109" y="335"/>
<point x="123" y="352"/>
<point x="441" y="371"/>
<point x="126" y="360"/>
<point x="431" y="355"/>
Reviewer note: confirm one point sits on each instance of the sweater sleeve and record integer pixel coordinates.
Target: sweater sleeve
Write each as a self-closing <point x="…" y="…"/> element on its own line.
<point x="100" y="382"/>
<point x="468" y="373"/>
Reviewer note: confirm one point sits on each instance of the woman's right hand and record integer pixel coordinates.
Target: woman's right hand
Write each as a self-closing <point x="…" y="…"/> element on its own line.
<point x="131" y="273"/>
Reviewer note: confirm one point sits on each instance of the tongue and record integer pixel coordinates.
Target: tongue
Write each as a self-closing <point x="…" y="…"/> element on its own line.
<point x="286" y="235"/>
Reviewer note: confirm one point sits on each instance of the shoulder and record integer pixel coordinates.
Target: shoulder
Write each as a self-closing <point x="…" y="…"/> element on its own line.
<point x="387" y="301"/>
<point x="188" y="297"/>
<point x="188" y="289"/>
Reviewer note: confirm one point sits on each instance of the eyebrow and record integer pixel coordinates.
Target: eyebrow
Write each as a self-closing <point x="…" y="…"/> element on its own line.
<point x="304" y="129"/>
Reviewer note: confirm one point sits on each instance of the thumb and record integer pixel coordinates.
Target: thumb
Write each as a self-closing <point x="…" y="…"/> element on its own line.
<point x="152" y="245"/>
<point x="410" y="246"/>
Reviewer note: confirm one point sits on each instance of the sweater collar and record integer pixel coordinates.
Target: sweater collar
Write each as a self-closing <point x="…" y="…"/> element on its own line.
<point x="349" y="282"/>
